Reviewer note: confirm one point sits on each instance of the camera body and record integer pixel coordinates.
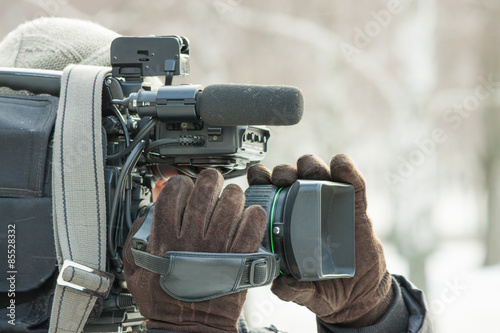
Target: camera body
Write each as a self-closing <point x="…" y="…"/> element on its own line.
<point x="186" y="142"/>
<point x="311" y="223"/>
<point x="149" y="127"/>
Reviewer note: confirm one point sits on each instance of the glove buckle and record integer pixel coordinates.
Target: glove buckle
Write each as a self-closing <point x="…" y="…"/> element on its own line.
<point x="258" y="274"/>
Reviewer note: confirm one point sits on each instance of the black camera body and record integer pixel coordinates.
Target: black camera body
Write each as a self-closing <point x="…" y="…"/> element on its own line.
<point x="313" y="223"/>
<point x="150" y="126"/>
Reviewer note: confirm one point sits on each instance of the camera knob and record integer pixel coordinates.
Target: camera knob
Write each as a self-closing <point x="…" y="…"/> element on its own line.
<point x="251" y="137"/>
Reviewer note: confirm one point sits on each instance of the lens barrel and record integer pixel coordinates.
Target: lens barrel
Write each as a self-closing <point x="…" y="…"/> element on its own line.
<point x="310" y="226"/>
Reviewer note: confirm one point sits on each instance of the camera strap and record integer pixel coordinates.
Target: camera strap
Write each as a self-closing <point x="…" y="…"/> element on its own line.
<point x="200" y="276"/>
<point x="79" y="208"/>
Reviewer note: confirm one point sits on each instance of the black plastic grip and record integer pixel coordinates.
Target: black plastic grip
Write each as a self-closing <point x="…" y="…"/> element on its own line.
<point x="37" y="81"/>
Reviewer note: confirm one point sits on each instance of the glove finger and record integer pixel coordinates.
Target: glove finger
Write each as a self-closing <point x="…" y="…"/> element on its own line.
<point x="308" y="294"/>
<point x="258" y="174"/>
<point x="287" y="288"/>
<point x="225" y="218"/>
<point x="344" y="170"/>
<point x="250" y="231"/>
<point x="201" y="205"/>
<point x="284" y="175"/>
<point x="167" y="215"/>
<point x="312" y="167"/>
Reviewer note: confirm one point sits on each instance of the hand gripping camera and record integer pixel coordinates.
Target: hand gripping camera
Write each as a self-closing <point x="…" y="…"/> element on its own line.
<point x="150" y="127"/>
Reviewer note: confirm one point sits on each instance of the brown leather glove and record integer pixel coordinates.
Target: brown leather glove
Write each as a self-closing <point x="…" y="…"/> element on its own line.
<point x="355" y="302"/>
<point x="192" y="217"/>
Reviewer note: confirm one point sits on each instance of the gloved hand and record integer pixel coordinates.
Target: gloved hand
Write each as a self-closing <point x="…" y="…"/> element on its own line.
<point x="354" y="302"/>
<point x="192" y="217"/>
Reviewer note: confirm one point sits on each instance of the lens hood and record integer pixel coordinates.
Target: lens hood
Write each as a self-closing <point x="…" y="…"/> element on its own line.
<point x="310" y="226"/>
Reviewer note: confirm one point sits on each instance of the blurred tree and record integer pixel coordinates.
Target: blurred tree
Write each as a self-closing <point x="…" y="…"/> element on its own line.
<point x="491" y="63"/>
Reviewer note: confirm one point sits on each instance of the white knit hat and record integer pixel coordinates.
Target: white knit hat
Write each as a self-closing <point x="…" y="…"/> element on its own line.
<point x="54" y="43"/>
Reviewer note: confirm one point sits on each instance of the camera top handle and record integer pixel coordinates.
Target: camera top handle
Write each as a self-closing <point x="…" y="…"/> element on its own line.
<point x="37" y="81"/>
<point x="131" y="58"/>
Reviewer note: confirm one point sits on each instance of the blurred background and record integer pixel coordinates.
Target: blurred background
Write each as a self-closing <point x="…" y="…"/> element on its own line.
<point x="408" y="89"/>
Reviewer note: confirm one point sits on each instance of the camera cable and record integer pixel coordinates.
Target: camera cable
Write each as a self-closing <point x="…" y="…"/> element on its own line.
<point x="119" y="115"/>
<point x="129" y="164"/>
<point x="141" y="135"/>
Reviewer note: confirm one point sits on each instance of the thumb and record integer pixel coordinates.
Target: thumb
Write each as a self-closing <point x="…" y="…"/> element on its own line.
<point x="258" y="174"/>
<point x="343" y="170"/>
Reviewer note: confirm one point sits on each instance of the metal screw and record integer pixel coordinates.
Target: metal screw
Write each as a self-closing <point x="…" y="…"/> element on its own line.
<point x="115" y="58"/>
<point x="146" y="68"/>
<point x="108" y="82"/>
<point x="152" y="54"/>
<point x="176" y="56"/>
<point x="214" y="137"/>
<point x="276" y="230"/>
<point x="184" y="125"/>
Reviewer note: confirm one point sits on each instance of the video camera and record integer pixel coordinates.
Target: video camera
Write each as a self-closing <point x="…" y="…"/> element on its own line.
<point x="151" y="127"/>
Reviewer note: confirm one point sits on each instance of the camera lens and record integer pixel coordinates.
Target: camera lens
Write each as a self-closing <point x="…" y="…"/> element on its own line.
<point x="310" y="226"/>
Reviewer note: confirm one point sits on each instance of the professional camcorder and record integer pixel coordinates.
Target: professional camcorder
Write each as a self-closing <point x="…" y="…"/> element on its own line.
<point x="150" y="128"/>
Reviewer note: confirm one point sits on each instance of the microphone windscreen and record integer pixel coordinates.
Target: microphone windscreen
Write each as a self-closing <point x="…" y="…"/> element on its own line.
<point x="240" y="104"/>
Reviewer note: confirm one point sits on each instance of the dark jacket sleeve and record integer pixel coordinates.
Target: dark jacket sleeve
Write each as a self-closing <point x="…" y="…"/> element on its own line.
<point x="407" y="314"/>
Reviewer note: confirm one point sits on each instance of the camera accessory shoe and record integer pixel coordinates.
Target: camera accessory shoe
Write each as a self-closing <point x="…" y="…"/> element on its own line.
<point x="203" y="250"/>
<point x="354" y="302"/>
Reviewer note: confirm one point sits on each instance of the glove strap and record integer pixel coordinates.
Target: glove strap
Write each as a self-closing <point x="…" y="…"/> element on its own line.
<point x="200" y="276"/>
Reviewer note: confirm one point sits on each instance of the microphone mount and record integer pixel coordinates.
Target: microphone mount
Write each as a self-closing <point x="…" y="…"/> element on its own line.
<point x="168" y="103"/>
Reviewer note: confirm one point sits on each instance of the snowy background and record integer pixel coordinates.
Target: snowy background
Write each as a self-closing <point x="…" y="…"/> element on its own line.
<point x="408" y="89"/>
